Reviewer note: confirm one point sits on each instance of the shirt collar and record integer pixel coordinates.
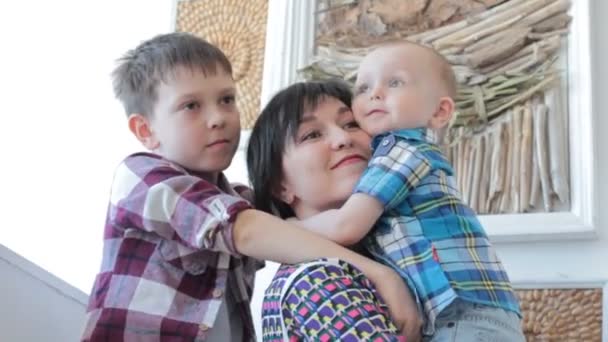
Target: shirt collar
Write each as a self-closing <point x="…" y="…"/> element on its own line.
<point x="422" y="134"/>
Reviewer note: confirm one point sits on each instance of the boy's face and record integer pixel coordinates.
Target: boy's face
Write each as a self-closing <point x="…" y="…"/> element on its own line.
<point x="195" y="121"/>
<point x="397" y="87"/>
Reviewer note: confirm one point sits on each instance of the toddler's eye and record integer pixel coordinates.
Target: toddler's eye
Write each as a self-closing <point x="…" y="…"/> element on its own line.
<point x="395" y="83"/>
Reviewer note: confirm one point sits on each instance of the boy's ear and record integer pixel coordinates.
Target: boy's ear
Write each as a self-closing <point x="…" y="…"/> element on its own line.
<point x="140" y="126"/>
<point x="441" y="118"/>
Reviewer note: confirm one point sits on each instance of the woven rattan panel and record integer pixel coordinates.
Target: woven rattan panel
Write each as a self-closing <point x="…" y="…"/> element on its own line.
<point x="562" y="315"/>
<point x="238" y="28"/>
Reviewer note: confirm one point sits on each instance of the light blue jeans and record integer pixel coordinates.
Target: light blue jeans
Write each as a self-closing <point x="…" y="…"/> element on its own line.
<point x="467" y="322"/>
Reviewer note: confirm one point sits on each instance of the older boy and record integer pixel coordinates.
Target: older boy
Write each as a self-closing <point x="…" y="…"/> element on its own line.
<point x="178" y="237"/>
<point x="404" y="95"/>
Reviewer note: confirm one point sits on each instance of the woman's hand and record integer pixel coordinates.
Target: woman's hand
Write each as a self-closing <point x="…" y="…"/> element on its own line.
<point x="401" y="304"/>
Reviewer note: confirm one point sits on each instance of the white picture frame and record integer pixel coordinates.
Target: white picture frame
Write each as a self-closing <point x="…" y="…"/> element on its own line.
<point x="289" y="46"/>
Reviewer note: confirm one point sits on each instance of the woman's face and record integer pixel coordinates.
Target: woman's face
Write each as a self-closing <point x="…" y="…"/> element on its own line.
<point x="325" y="159"/>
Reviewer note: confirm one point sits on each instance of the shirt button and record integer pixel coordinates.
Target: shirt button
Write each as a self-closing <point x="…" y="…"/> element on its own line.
<point x="217" y="293"/>
<point x="385" y="142"/>
<point x="204" y="327"/>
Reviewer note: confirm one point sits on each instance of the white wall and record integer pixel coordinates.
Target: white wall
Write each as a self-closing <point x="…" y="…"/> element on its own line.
<point x="36" y="306"/>
<point x="61" y="131"/>
<point x="61" y="136"/>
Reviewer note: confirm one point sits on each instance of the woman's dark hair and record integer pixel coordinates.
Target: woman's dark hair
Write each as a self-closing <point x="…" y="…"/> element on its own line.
<point x="278" y="122"/>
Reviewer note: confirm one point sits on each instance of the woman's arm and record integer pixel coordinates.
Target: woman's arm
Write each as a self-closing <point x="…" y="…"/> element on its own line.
<point x="328" y="300"/>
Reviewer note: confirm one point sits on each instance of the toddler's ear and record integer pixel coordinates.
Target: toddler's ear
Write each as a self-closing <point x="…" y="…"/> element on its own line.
<point x="441" y="118"/>
<point x="140" y="126"/>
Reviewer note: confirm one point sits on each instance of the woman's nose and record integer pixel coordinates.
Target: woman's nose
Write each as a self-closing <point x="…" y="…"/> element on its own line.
<point x="342" y="139"/>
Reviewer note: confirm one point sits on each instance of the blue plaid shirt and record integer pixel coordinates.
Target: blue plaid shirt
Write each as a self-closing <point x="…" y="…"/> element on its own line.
<point x="426" y="232"/>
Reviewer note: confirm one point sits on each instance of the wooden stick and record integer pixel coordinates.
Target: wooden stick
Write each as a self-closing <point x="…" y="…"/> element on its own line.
<point x="540" y="135"/>
<point x="500" y="49"/>
<point x="517" y="137"/>
<point x="486" y="32"/>
<point x="545" y="46"/>
<point x="447" y="151"/>
<point x="539" y="36"/>
<point x="499" y="36"/>
<point x="454" y="162"/>
<point x="497" y="169"/>
<point x="430" y="36"/>
<point x="523" y="63"/>
<point x="526" y="159"/>
<point x="518" y="11"/>
<point x="559" y="21"/>
<point x="558" y="143"/>
<point x="484" y="183"/>
<point x="461" y="161"/>
<point x="559" y="6"/>
<point x="505" y="201"/>
<point x="535" y="187"/>
<point x="466" y="185"/>
<point x="477" y="171"/>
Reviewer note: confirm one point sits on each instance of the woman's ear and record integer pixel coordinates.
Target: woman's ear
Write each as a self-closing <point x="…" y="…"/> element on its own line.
<point x="286" y="195"/>
<point x="140" y="126"/>
<point x="441" y="118"/>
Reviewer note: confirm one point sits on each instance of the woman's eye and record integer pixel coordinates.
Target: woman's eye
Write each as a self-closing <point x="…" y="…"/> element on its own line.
<point x="351" y="125"/>
<point x="311" y="135"/>
<point x="395" y="83"/>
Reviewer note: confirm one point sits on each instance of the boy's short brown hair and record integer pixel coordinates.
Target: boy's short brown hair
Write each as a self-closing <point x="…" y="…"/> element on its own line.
<point x="139" y="71"/>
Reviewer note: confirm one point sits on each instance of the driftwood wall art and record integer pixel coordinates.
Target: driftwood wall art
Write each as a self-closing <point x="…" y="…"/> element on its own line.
<point x="508" y="141"/>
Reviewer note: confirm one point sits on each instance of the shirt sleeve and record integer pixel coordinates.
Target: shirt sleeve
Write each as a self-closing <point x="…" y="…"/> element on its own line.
<point x="335" y="302"/>
<point x="394" y="170"/>
<point x="157" y="196"/>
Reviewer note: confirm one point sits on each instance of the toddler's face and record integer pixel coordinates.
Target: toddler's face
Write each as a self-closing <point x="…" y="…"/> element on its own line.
<point x="397" y="87"/>
<point x="196" y="121"/>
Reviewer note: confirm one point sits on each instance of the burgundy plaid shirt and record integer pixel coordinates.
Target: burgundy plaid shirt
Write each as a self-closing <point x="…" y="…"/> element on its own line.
<point x="167" y="251"/>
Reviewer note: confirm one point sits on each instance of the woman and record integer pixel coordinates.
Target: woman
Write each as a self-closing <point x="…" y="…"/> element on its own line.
<point x="305" y="155"/>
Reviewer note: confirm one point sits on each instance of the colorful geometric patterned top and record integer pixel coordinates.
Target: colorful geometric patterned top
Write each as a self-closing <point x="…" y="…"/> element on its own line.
<point x="327" y="300"/>
<point x="427" y="233"/>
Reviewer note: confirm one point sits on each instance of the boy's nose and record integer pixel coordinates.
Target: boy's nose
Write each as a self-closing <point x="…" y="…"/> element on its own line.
<point x="376" y="94"/>
<point x="216" y="120"/>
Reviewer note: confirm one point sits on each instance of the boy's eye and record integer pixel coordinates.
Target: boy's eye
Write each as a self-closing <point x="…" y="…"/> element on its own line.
<point x="361" y="89"/>
<point x="192" y="105"/>
<point x="228" y="99"/>
<point x="395" y="82"/>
